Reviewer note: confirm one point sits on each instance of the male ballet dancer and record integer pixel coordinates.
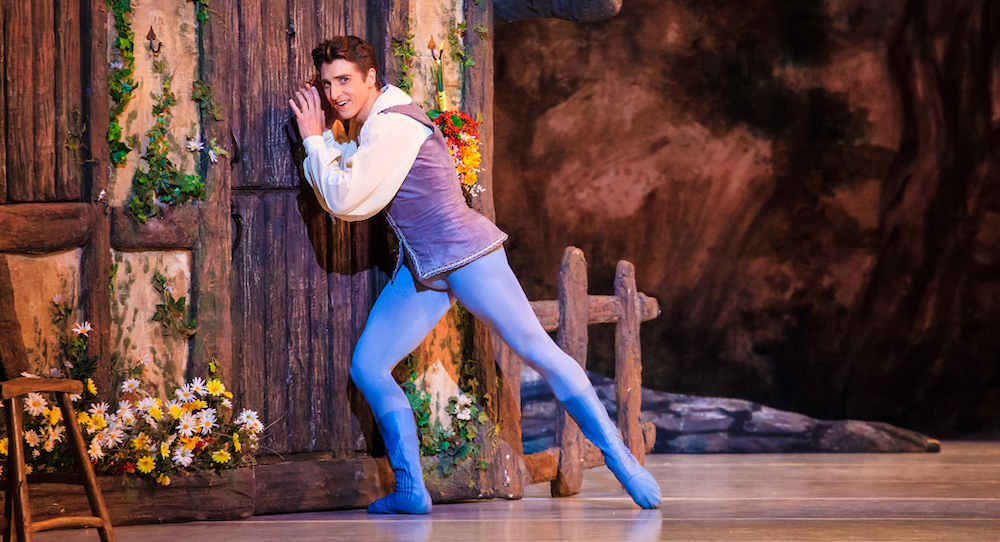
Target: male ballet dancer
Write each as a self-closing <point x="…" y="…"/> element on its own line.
<point x="400" y="164"/>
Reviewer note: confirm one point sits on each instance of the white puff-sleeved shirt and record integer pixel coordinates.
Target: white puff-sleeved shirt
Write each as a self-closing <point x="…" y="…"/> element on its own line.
<point x="354" y="181"/>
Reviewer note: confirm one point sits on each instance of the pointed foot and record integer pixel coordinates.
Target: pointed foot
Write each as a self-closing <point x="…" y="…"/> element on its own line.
<point x="644" y="490"/>
<point x="397" y="502"/>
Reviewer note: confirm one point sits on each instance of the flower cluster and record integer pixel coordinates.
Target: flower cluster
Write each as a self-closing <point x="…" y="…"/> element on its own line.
<point x="462" y="135"/>
<point x="194" y="429"/>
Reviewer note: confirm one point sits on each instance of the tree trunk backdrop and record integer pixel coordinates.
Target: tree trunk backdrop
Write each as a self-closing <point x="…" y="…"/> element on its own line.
<point x="809" y="188"/>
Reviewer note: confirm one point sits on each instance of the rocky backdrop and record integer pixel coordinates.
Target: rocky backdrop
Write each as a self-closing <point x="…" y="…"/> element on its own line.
<point x="811" y="190"/>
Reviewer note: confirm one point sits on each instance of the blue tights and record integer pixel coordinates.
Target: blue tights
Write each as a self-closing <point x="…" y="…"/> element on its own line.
<point x="404" y="314"/>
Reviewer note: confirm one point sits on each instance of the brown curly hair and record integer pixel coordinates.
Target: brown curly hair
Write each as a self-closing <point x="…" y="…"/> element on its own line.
<point x="352" y="49"/>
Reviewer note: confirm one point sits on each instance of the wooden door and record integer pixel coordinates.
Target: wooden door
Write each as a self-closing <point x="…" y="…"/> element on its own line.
<point x="302" y="284"/>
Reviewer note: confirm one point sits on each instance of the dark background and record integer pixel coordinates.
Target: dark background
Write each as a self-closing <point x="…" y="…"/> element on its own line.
<point x="810" y="189"/>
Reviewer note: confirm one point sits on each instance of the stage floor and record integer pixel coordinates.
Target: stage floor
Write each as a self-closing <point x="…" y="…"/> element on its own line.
<point x="950" y="496"/>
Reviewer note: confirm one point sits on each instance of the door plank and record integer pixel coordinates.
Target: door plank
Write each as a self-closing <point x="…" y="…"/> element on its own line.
<point x="278" y="403"/>
<point x="250" y="88"/>
<point x="69" y="95"/>
<point x="277" y="128"/>
<point x="44" y="75"/>
<point x="340" y="305"/>
<point x="248" y="310"/>
<point x="3" y="107"/>
<point x="20" y="101"/>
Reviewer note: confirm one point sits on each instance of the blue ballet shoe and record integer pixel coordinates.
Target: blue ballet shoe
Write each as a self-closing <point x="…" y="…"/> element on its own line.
<point x="589" y="413"/>
<point x="409" y="496"/>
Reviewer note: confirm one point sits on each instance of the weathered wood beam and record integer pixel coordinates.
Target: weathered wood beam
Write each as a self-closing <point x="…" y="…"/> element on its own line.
<point x="574" y="311"/>
<point x="20" y="95"/>
<point x="176" y="229"/>
<point x="23" y="385"/>
<point x="96" y="264"/>
<point x="603" y="310"/>
<point x="13" y="356"/>
<point x="211" y="270"/>
<point x="628" y="361"/>
<point x="41" y="228"/>
<point x="573" y="10"/>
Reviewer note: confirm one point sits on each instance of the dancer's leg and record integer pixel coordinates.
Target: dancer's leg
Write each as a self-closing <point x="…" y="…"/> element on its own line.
<point x="400" y="319"/>
<point x="489" y="289"/>
<point x="398" y="322"/>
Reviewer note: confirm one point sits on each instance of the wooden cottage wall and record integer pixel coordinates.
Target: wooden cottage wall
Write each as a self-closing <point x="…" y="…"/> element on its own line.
<point x="302" y="284"/>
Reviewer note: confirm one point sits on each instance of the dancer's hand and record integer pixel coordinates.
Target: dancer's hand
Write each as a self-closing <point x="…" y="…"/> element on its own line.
<point x="308" y="112"/>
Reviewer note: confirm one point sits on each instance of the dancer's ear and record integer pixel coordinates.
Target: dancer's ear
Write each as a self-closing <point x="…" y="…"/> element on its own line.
<point x="370" y="78"/>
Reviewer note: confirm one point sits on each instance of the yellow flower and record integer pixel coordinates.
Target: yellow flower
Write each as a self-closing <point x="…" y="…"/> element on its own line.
<point x="83" y="418"/>
<point x="215" y="387"/>
<point x="236" y="442"/>
<point x="176" y="411"/>
<point x="195" y="405"/>
<point x="3" y="446"/>
<point x="228" y="394"/>
<point x="163" y="479"/>
<point x="156" y="413"/>
<point x="190" y="442"/>
<point x="141" y="442"/>
<point x="53" y="414"/>
<point x="165" y="451"/>
<point x="221" y="456"/>
<point x="145" y="464"/>
<point x="99" y="421"/>
<point x="91" y="387"/>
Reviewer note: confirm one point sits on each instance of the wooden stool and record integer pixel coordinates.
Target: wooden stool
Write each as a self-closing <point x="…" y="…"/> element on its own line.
<point x="17" y="480"/>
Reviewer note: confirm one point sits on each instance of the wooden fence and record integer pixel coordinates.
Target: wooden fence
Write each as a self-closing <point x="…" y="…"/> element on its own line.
<point x="570" y="315"/>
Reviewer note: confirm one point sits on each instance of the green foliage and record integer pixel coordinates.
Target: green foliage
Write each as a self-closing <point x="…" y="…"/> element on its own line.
<point x="121" y="84"/>
<point x="201" y="9"/>
<point x="161" y="181"/>
<point x="171" y="313"/>
<point x="74" y="143"/>
<point x="202" y="95"/>
<point x="461" y="442"/>
<point x="404" y="51"/>
<point x="482" y="31"/>
<point x="458" y="52"/>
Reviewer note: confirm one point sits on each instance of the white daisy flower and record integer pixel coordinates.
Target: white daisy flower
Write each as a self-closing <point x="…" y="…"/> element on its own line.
<point x="195" y="145"/>
<point x="114" y="436"/>
<point x="50" y="444"/>
<point x="245" y="416"/>
<point x="75" y="397"/>
<point x="464" y="414"/>
<point x="187" y="425"/>
<point x="168" y="287"/>
<point x="253" y="427"/>
<point x="212" y="156"/>
<point x="131" y="384"/>
<point x="206" y="419"/>
<point x="146" y="404"/>
<point x="95" y="450"/>
<point x="29" y="375"/>
<point x="98" y="409"/>
<point x="82" y="329"/>
<point x="28" y="469"/>
<point x="31" y="438"/>
<point x="463" y="401"/>
<point x="198" y="386"/>
<point x="35" y="404"/>
<point x="68" y="364"/>
<point x="146" y="359"/>
<point x="55" y="372"/>
<point x="227" y="403"/>
<point x="183" y="457"/>
<point x="55" y="432"/>
<point x="185" y="394"/>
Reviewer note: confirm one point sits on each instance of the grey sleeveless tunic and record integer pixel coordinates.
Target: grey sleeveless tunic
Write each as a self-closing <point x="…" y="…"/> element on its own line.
<point x="436" y="228"/>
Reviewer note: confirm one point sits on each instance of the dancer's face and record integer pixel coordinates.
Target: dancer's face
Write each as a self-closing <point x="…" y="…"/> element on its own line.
<point x="351" y="92"/>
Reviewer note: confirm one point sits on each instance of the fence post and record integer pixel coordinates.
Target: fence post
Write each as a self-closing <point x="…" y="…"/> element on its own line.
<point x="574" y="317"/>
<point x="628" y="364"/>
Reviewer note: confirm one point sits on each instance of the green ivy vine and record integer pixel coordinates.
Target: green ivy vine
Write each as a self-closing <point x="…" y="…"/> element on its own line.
<point x="170" y="314"/>
<point x="201" y="95"/>
<point x="459" y="53"/>
<point x="162" y="182"/>
<point x="121" y="83"/>
<point x="404" y="51"/>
